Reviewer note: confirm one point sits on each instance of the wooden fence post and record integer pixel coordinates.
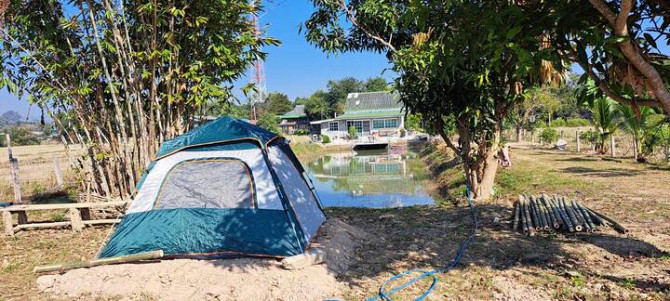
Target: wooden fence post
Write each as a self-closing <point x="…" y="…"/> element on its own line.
<point x="59" y="178"/>
<point x="14" y="171"/>
<point x="612" y="146"/>
<point x="579" y="146"/>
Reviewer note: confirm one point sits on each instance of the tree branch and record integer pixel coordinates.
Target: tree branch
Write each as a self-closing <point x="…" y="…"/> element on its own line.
<point x="351" y="18"/>
<point x="602" y="7"/>
<point x="607" y="91"/>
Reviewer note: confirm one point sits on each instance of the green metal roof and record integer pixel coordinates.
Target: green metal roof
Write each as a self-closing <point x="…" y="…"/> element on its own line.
<point x="297" y="112"/>
<point x="372" y="105"/>
<point x="372" y="101"/>
<point x="371" y="114"/>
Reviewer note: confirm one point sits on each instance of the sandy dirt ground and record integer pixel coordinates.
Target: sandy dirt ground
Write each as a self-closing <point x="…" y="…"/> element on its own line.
<point x="232" y="279"/>
<point x="499" y="265"/>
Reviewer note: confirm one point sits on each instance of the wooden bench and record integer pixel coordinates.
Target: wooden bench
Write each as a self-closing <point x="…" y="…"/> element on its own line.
<point x="79" y="216"/>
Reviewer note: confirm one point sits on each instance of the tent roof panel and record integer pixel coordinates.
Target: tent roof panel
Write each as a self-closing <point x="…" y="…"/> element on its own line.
<point x="221" y="130"/>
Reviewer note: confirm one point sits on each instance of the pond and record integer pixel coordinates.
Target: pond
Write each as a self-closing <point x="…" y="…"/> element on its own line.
<point x="370" y="178"/>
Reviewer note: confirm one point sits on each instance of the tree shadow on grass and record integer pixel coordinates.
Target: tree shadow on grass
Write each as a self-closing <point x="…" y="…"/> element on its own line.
<point x="605" y="173"/>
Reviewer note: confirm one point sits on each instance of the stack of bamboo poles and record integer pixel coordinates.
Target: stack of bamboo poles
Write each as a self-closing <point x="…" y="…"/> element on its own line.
<point x="535" y="214"/>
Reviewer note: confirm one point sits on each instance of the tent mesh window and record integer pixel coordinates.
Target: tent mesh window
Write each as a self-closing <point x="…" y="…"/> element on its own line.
<point x="211" y="183"/>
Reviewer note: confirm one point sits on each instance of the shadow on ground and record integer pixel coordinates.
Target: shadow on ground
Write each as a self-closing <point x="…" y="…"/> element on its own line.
<point x="609" y="172"/>
<point x="429" y="237"/>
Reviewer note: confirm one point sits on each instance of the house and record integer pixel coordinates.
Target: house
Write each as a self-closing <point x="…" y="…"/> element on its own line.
<point x="294" y="120"/>
<point x="372" y="114"/>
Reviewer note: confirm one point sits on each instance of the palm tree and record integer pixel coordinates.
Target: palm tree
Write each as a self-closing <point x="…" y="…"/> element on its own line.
<point x="637" y="125"/>
<point x="605" y="119"/>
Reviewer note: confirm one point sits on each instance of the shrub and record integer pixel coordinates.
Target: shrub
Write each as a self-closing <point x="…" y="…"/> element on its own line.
<point x="353" y="133"/>
<point x="325" y="139"/>
<point x="590" y="136"/>
<point x="575" y="122"/>
<point x="558" y="122"/>
<point x="549" y="135"/>
<point x="302" y="132"/>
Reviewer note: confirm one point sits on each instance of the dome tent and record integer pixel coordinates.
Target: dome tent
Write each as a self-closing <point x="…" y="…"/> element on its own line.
<point x="226" y="187"/>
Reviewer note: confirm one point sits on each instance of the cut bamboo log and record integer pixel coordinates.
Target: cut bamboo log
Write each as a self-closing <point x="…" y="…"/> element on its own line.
<point x="557" y="212"/>
<point x="581" y="217"/>
<point x="62" y="267"/>
<point x="564" y="214"/>
<point x="535" y="215"/>
<point x="517" y="212"/>
<point x="596" y="219"/>
<point x="572" y="216"/>
<point x="618" y="227"/>
<point x="586" y="215"/>
<point x="552" y="213"/>
<point x="529" y="220"/>
<point x="524" y="221"/>
<point x="545" y="212"/>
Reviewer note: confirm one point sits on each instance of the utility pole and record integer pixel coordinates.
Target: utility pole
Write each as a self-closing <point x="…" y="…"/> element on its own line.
<point x="256" y="74"/>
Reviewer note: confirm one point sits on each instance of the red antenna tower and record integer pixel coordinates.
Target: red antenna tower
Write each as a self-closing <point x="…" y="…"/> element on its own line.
<point x="257" y="73"/>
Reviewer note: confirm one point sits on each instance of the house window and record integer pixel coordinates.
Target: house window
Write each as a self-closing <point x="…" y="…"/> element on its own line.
<point x="333" y="126"/>
<point x="357" y="124"/>
<point x="385" y="123"/>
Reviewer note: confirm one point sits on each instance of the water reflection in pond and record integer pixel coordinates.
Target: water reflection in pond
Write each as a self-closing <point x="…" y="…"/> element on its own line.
<point x="372" y="179"/>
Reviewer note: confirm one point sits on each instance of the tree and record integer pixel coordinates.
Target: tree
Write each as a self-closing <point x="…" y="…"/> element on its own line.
<point x="535" y="101"/>
<point x="376" y="84"/>
<point x="278" y="103"/>
<point x="605" y="120"/>
<point x="20" y="136"/>
<point x="269" y="122"/>
<point x="128" y="75"/>
<point x="317" y="106"/>
<point x="338" y="91"/>
<point x="638" y="125"/>
<point x="616" y="42"/>
<point x="11" y="117"/>
<point x="463" y="64"/>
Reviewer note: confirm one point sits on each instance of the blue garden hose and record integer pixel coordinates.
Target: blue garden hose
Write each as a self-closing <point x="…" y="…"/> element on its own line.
<point x="384" y="293"/>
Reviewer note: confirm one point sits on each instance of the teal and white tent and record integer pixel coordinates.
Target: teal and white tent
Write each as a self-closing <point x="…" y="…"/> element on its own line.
<point x="226" y="187"/>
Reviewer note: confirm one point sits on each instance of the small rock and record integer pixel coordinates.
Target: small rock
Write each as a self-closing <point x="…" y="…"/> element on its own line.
<point x="5" y="263"/>
<point x="413" y="247"/>
<point x="386" y="216"/>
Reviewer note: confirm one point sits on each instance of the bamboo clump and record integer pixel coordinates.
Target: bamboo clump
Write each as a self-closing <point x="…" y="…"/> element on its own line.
<point x="543" y="213"/>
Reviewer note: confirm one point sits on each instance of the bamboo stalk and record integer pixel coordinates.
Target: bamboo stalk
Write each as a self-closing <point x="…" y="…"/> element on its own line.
<point x="61" y="267"/>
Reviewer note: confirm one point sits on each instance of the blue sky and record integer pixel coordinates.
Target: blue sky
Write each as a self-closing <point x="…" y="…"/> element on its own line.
<point x="295" y="67"/>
